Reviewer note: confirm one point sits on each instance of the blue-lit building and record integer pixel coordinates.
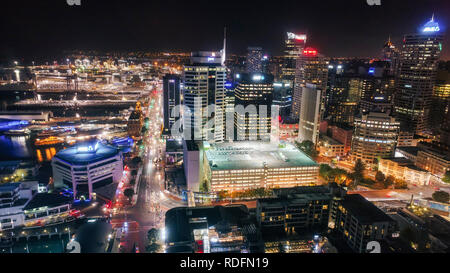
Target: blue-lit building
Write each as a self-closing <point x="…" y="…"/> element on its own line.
<point x="419" y="60"/>
<point x="87" y="167"/>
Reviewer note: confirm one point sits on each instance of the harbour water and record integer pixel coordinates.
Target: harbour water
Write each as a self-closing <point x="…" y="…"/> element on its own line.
<point x="44" y="245"/>
<point x="15" y="148"/>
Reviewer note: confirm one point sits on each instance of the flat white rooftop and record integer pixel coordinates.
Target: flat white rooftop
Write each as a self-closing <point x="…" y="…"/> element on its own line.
<point x="254" y="155"/>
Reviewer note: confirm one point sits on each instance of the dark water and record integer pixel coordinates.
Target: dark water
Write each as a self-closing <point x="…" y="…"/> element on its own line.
<point x="15" y="148"/>
<point x="55" y="245"/>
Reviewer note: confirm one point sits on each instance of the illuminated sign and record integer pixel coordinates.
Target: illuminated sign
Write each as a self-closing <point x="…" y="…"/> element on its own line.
<point x="379" y="98"/>
<point x="87" y="149"/>
<point x="372" y="71"/>
<point x="293" y="36"/>
<point x="210" y="59"/>
<point x="310" y="52"/>
<point x="431" y="29"/>
<point x="431" y="26"/>
<point x="258" y="77"/>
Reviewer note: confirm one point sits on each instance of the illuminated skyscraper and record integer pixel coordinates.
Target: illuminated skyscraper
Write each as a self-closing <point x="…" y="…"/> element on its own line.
<point x="172" y="98"/>
<point x="294" y="47"/>
<point x="204" y="84"/>
<point x="312" y="68"/>
<point x="417" y="75"/>
<point x="391" y="54"/>
<point x="308" y="129"/>
<point x="254" y="90"/>
<point x="254" y="60"/>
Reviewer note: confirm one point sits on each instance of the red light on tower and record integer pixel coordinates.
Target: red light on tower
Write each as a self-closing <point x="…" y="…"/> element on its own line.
<point x="310" y="52"/>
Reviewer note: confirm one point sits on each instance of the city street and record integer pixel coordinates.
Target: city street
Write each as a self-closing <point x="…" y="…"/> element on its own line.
<point x="151" y="203"/>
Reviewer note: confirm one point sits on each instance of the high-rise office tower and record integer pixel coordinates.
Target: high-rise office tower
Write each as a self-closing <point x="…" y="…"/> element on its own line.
<point x="417" y="75"/>
<point x="172" y="98"/>
<point x="375" y="136"/>
<point x="254" y="60"/>
<point x="204" y="85"/>
<point x="294" y="45"/>
<point x="282" y="97"/>
<point x="390" y="54"/>
<point x="253" y="91"/>
<point x="312" y="68"/>
<point x="441" y="104"/>
<point x="309" y="125"/>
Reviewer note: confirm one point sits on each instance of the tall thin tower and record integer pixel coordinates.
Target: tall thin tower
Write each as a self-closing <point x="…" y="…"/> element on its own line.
<point x="224" y="50"/>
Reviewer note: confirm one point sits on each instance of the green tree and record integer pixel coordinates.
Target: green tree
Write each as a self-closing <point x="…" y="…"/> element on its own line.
<point x="358" y="172"/>
<point x="400" y="184"/>
<point x="136" y="161"/>
<point x="380" y="177"/>
<point x="222" y="195"/>
<point x="390" y="180"/>
<point x="324" y="171"/>
<point x="204" y="186"/>
<point x="153" y="235"/>
<point x="446" y="178"/>
<point x="153" y="248"/>
<point x="308" y="148"/>
<point x="441" y="196"/>
<point x="129" y="193"/>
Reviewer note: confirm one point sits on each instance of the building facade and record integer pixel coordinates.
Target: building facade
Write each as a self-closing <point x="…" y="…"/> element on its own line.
<point x="295" y="211"/>
<point x="254" y="93"/>
<point x="375" y="136"/>
<point x="308" y="129"/>
<point x="172" y="99"/>
<point x="242" y="166"/>
<point x="434" y="161"/>
<point x="136" y="121"/>
<point x="311" y="68"/>
<point x="405" y="170"/>
<point x="254" y="60"/>
<point x="294" y="45"/>
<point x="87" y="167"/>
<point x="358" y="222"/>
<point x="204" y="85"/>
<point x="417" y="75"/>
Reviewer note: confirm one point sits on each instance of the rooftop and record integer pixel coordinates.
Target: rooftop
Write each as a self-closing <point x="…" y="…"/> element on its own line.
<point x="329" y="140"/>
<point x="254" y="155"/>
<point x="410" y="150"/>
<point x="47" y="200"/>
<point x="78" y="156"/>
<point x="9" y="187"/>
<point x="363" y="210"/>
<point x="179" y="227"/>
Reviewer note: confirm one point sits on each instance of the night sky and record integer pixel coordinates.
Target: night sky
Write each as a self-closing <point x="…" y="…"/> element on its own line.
<point x="336" y="28"/>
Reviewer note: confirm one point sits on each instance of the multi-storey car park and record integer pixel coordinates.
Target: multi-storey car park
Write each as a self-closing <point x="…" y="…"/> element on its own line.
<point x="241" y="166"/>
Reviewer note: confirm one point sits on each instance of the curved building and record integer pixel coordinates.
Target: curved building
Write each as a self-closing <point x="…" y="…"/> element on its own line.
<point x="87" y="167"/>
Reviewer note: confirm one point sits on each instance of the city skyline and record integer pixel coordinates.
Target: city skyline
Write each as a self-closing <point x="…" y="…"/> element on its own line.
<point x="331" y="26"/>
<point x="197" y="127"/>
